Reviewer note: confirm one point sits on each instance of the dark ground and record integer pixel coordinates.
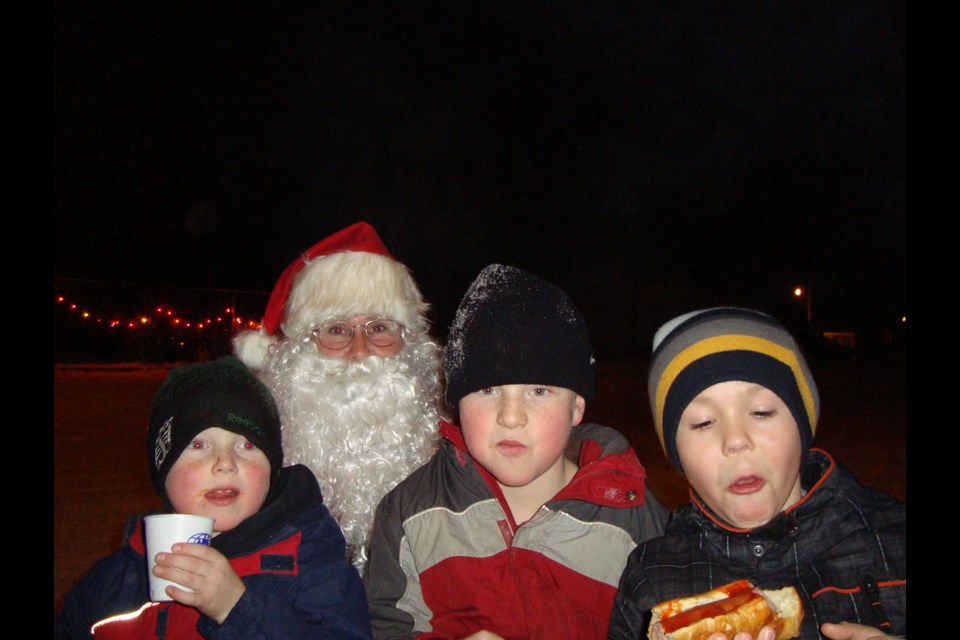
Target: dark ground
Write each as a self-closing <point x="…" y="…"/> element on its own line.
<point x="100" y="415"/>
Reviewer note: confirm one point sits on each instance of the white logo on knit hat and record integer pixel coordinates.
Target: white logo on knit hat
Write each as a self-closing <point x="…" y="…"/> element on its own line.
<point x="162" y="446"/>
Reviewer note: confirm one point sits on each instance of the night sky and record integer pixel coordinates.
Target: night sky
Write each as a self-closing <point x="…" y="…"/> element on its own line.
<point x="650" y="158"/>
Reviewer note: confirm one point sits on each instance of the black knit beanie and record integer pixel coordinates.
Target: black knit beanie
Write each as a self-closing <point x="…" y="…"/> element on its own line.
<point x="223" y="393"/>
<point x="702" y="348"/>
<point x="515" y="328"/>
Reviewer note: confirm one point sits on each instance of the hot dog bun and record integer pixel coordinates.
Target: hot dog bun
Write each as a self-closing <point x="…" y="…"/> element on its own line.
<point x="738" y="606"/>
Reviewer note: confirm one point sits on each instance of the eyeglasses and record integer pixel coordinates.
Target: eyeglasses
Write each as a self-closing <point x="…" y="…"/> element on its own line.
<point x="337" y="334"/>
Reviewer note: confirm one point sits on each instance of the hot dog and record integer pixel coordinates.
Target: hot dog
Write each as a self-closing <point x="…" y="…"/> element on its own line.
<point x="738" y="606"/>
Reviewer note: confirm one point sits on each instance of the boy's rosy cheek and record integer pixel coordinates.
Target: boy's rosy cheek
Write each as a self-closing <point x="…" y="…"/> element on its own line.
<point x="259" y="476"/>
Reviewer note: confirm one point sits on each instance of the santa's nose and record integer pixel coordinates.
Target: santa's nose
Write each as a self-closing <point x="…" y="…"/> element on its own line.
<point x="358" y="346"/>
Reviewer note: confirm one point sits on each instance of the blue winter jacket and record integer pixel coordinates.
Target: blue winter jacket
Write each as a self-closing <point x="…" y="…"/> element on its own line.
<point x="290" y="555"/>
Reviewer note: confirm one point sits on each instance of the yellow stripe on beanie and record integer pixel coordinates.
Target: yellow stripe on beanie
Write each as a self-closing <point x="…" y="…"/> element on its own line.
<point x="731" y="342"/>
<point x="701" y="348"/>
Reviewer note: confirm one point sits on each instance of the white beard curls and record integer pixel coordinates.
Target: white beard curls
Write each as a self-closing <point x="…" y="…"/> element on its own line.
<point x="361" y="427"/>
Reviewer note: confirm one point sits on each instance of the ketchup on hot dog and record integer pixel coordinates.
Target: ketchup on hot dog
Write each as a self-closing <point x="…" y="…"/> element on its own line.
<point x="738" y="593"/>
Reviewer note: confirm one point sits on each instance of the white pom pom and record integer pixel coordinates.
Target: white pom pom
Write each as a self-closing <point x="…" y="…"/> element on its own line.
<point x="252" y="346"/>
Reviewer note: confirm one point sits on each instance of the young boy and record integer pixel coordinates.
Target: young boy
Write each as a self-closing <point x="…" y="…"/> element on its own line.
<point x="275" y="567"/>
<point x="736" y="409"/>
<point x="520" y="526"/>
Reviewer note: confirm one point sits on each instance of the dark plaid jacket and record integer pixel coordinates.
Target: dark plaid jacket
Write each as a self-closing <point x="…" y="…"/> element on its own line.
<point x="843" y="546"/>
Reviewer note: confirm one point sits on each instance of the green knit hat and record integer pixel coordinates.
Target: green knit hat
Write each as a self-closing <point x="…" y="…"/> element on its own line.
<point x="702" y="348"/>
<point x="223" y="393"/>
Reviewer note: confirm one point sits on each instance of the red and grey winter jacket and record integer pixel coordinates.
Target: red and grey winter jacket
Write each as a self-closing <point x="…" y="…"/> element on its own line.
<point x="447" y="558"/>
<point x="290" y="556"/>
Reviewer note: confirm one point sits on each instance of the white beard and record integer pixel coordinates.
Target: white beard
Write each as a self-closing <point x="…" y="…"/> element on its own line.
<point x="361" y="427"/>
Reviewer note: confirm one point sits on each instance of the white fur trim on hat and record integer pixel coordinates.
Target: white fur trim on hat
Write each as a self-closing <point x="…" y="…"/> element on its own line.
<point x="350" y="283"/>
<point x="252" y="346"/>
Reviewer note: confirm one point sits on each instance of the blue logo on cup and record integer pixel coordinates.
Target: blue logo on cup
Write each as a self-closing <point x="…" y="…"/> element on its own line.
<point x="200" y="538"/>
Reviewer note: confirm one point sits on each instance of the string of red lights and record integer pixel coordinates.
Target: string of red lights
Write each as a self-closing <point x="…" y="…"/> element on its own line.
<point x="158" y="314"/>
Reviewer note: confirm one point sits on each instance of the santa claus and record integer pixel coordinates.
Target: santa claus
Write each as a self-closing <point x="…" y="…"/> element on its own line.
<point x="345" y="347"/>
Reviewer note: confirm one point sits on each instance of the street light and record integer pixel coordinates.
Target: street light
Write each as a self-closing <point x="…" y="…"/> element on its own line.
<point x="799" y="292"/>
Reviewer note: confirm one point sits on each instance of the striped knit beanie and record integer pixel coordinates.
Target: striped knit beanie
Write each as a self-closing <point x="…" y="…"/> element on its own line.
<point x="702" y="348"/>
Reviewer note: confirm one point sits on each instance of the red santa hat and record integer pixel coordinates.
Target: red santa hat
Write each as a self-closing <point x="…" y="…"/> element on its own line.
<point x="348" y="273"/>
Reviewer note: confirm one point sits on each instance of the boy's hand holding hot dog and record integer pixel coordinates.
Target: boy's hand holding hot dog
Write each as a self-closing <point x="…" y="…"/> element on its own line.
<point x="834" y="631"/>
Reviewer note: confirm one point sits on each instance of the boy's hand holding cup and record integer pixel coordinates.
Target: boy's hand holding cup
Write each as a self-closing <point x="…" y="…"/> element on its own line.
<point x="161" y="532"/>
